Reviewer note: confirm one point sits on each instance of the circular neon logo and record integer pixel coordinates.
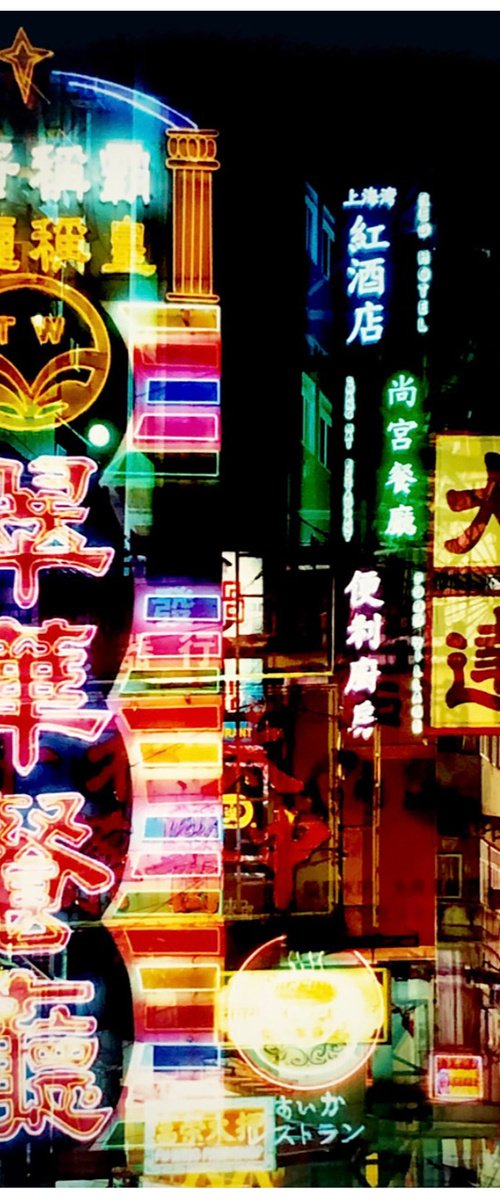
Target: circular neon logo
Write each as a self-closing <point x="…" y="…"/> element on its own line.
<point x="304" y="1021"/>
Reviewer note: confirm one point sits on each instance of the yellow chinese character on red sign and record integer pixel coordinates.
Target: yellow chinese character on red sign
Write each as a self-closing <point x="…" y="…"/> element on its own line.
<point x="59" y="242"/>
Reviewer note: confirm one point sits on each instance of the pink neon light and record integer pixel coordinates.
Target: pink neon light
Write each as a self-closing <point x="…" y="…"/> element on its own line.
<point x="176" y="428"/>
<point x="35" y="522"/>
<point x="46" y="1076"/>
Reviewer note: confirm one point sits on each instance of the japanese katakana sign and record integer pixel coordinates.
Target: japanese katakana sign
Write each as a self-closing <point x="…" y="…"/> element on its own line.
<point x="465" y="662"/>
<point x="401" y="517"/>
<point x="467" y="503"/>
<point x="316" y="1122"/>
<point x="46" y="1081"/>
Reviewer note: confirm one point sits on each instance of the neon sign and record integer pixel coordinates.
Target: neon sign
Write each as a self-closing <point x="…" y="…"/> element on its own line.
<point x="417" y="643"/>
<point x="38" y="857"/>
<point x="349" y="465"/>
<point x="424" y="259"/>
<point x="402" y="482"/>
<point x="366" y="272"/>
<point x="364" y="632"/>
<point x="35" y="523"/>
<point x="45" y="1074"/>
<point x="42" y="672"/>
<point x="456" y="1077"/>
<point x="223" y="1133"/>
<point x="303" y="1023"/>
<point x="58" y="393"/>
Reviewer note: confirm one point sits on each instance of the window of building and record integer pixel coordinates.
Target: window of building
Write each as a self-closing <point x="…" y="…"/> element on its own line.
<point x="489" y="748"/>
<point x="489" y="871"/>
<point x="309" y="413"/>
<point x="449" y="876"/>
<point x="312" y="223"/>
<point x="327" y="240"/>
<point x="325" y="431"/>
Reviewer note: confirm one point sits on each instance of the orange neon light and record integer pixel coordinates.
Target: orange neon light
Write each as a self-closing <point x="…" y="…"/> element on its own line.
<point x="52" y="398"/>
<point x="23" y="58"/>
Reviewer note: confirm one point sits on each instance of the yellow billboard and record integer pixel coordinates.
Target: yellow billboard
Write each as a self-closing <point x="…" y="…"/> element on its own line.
<point x="465" y="665"/>
<point x="467" y="502"/>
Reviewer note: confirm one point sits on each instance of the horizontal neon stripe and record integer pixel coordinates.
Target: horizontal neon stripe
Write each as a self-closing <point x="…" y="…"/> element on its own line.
<point x="203" y="977"/>
<point x="177" y="753"/>
<point x="163" y="717"/>
<point x="183" y="940"/>
<point x="189" y="646"/>
<point x="183" y="391"/>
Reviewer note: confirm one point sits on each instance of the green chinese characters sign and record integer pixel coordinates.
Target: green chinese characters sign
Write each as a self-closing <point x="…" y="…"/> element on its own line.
<point x="401" y="518"/>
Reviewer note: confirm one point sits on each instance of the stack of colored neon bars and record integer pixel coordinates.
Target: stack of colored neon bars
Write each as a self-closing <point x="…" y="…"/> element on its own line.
<point x="176" y="357"/>
<point x="166" y="916"/>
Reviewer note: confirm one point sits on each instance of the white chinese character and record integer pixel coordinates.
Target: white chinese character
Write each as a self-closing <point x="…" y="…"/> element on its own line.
<point x="402" y="391"/>
<point x="353" y="201"/>
<point x="363" y="590"/>
<point x="365" y="237"/>
<point x="370" y="197"/>
<point x="125" y="169"/>
<point x="363" y="675"/>
<point x="388" y="196"/>
<point x="6" y="168"/>
<point x="363" y="720"/>
<point x="401" y="439"/>
<point x="58" y="169"/>
<point x="368" y="323"/>
<point x="364" y="631"/>
<point x="401" y="522"/>
<point x="401" y="478"/>
<point x="367" y="277"/>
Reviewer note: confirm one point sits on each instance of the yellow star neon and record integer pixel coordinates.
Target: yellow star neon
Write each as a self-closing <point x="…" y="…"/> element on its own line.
<point x="23" y="58"/>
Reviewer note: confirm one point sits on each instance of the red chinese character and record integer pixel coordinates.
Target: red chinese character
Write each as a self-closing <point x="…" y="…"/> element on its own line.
<point x="42" y="672"/>
<point x="233" y="603"/>
<point x="37" y="860"/>
<point x="487" y="502"/>
<point x="45" y="1076"/>
<point x="35" y="523"/>
<point x="487" y="659"/>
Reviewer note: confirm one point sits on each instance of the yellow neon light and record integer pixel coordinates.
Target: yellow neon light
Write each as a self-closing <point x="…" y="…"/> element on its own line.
<point x="23" y="58"/>
<point x="49" y="401"/>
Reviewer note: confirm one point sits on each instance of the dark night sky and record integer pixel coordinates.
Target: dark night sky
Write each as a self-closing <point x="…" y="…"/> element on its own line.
<point x="336" y="98"/>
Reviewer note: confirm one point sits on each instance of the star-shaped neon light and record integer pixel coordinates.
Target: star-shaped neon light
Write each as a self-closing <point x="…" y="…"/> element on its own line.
<point x="23" y="58"/>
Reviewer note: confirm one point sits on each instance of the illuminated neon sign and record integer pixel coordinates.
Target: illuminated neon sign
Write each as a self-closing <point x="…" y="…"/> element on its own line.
<point x="42" y="672"/>
<point x="38" y="857"/>
<point x="424" y="231"/>
<point x="46" y="1076"/>
<point x="303" y="1022"/>
<point x="456" y="1077"/>
<point x="225" y="1134"/>
<point x="364" y="633"/>
<point x="367" y="265"/>
<point x="349" y="464"/>
<point x="35" y="522"/>
<point x="417" y="644"/>
<point x="402" y="509"/>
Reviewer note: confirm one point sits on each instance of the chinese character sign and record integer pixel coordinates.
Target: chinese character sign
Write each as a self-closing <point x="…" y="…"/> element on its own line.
<point x="367" y="269"/>
<point x="39" y="855"/>
<point x="402" y="487"/>
<point x="364" y="635"/>
<point x="465" y="682"/>
<point x="46" y="1079"/>
<point x="36" y="522"/>
<point x="467" y="502"/>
